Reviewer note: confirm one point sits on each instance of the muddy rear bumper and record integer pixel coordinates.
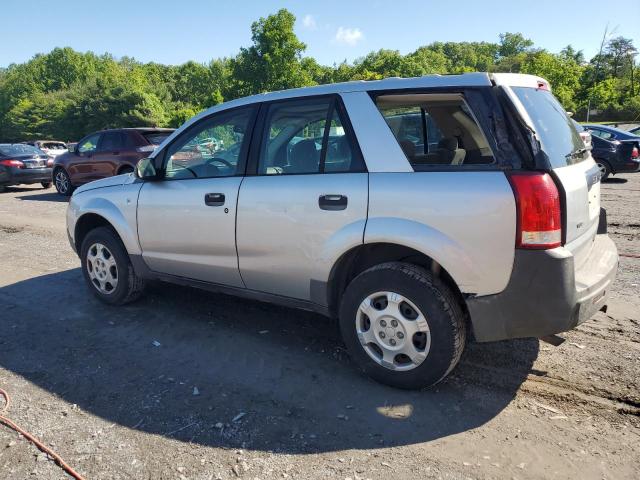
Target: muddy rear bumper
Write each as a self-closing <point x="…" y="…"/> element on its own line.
<point x="546" y="294"/>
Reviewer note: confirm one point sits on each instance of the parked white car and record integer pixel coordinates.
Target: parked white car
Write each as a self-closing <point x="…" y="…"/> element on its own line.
<point x="52" y="148"/>
<point x="485" y="224"/>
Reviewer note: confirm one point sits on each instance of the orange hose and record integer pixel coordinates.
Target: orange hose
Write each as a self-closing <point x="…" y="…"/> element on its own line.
<point x="34" y="440"/>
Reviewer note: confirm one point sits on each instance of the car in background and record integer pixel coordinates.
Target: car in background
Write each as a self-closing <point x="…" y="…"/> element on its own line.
<point x="105" y="154"/>
<point x="614" y="157"/>
<point x="613" y="134"/>
<point x="585" y="135"/>
<point x="52" y="148"/>
<point x="24" y="164"/>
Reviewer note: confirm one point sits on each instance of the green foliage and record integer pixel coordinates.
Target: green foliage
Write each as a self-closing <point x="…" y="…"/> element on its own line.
<point x="66" y="94"/>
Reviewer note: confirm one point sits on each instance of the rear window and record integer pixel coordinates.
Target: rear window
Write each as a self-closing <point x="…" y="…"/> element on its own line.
<point x="435" y="130"/>
<point x="156" y="138"/>
<point x="559" y="138"/>
<point x="19" y="149"/>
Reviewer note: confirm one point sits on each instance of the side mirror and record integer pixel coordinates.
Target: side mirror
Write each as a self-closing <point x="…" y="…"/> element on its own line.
<point x="145" y="169"/>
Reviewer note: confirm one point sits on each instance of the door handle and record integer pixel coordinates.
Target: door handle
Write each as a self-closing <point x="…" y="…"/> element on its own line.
<point x="332" y="202"/>
<point x="115" y="153"/>
<point x="214" y="199"/>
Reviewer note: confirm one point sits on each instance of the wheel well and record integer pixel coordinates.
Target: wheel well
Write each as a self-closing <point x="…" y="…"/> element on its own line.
<point x="85" y="224"/>
<point x="363" y="257"/>
<point x="128" y="168"/>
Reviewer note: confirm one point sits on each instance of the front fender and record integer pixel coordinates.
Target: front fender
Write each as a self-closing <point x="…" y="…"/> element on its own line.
<point x="117" y="205"/>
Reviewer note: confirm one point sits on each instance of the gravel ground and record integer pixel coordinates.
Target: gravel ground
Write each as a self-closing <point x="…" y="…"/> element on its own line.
<point x="188" y="384"/>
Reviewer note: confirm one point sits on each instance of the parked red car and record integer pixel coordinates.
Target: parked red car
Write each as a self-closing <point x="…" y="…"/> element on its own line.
<point x="104" y="154"/>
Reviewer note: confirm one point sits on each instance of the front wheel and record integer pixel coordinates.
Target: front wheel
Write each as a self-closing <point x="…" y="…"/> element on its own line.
<point x="107" y="269"/>
<point x="62" y="182"/>
<point x="605" y="169"/>
<point x="402" y="326"/>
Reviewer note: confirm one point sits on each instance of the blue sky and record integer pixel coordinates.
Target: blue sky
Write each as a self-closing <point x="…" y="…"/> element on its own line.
<point x="176" y="31"/>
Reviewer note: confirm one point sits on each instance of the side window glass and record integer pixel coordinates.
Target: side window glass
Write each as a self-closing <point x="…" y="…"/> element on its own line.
<point x="89" y="144"/>
<point x="111" y="141"/>
<point x="305" y="137"/>
<point x="210" y="150"/>
<point x="435" y="129"/>
<point x="340" y="156"/>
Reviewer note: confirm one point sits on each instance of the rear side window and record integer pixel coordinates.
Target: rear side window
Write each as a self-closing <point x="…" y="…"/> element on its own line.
<point x="111" y="141"/>
<point x="435" y="130"/>
<point x="156" y="138"/>
<point x="558" y="137"/>
<point x="305" y="137"/>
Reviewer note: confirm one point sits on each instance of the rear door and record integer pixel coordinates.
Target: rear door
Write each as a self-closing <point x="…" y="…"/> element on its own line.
<point x="570" y="162"/>
<point x="305" y="196"/>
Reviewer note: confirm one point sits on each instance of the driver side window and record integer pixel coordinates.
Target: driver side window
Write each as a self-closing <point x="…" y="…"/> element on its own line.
<point x="89" y="144"/>
<point x="212" y="149"/>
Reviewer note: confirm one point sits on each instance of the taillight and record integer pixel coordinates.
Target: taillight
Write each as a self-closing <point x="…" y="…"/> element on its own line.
<point x="539" y="222"/>
<point x="634" y="152"/>
<point x="12" y="163"/>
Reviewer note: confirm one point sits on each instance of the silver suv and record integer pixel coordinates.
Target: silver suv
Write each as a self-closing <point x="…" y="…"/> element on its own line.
<point x="417" y="212"/>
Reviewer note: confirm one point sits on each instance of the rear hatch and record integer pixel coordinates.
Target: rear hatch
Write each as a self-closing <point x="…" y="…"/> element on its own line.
<point x="569" y="161"/>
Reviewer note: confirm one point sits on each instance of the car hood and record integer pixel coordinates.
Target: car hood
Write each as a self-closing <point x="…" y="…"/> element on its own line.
<point x="115" y="181"/>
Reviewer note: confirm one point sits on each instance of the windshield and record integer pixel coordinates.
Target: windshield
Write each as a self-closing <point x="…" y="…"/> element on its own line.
<point x="559" y="138"/>
<point x="54" y="145"/>
<point x="19" y="149"/>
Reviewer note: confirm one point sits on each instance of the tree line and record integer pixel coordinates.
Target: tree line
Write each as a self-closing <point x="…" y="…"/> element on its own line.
<point x="65" y="94"/>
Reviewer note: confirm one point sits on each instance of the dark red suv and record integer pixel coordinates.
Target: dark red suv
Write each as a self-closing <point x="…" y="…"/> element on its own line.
<point x="104" y="154"/>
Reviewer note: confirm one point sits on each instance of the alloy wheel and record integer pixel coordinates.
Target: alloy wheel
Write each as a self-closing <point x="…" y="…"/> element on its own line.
<point x="62" y="181"/>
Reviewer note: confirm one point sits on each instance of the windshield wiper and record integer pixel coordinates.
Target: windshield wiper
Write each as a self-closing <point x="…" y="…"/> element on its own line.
<point x="575" y="153"/>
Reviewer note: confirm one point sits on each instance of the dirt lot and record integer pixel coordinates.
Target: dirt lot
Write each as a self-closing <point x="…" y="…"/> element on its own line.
<point x="243" y="389"/>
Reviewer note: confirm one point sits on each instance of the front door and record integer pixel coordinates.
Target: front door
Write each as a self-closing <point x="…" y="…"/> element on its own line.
<point x="308" y="195"/>
<point x="106" y="159"/>
<point x="186" y="222"/>
<point x="80" y="166"/>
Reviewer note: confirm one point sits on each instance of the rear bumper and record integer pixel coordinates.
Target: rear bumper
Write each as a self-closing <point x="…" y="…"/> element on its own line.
<point x="545" y="294"/>
<point x="17" y="176"/>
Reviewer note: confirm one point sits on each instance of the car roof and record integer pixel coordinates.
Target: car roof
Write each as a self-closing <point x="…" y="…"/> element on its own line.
<point x="138" y="129"/>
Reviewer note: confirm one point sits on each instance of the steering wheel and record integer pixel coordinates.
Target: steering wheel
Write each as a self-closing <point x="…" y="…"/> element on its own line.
<point x="222" y="161"/>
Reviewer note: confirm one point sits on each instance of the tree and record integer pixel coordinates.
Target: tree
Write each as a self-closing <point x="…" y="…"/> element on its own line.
<point x="273" y="62"/>
<point x="513" y="44"/>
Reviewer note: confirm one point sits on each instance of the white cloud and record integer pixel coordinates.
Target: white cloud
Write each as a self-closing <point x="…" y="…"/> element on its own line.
<point x="348" y="36"/>
<point x="309" y="22"/>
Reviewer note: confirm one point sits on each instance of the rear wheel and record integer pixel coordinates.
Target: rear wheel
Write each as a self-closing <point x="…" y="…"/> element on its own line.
<point x="62" y="182"/>
<point x="107" y="269"/>
<point x="605" y="169"/>
<point x="402" y="326"/>
<point x="45" y="184"/>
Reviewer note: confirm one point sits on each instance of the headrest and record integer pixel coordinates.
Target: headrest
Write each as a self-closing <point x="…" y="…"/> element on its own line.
<point x="448" y="143"/>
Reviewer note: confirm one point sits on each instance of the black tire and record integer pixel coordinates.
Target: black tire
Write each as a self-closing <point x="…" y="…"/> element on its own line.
<point x="125" y="170"/>
<point x="129" y="286"/>
<point x="605" y="169"/>
<point x="45" y="185"/>
<point x="64" y="188"/>
<point x="435" y="300"/>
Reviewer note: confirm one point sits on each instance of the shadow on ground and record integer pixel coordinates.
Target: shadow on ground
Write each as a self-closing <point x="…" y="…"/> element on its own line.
<point x="615" y="180"/>
<point x="44" y="197"/>
<point x="283" y="369"/>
